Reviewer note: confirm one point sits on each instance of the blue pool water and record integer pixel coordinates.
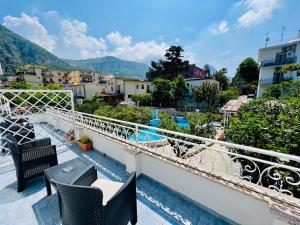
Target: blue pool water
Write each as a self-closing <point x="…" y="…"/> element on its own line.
<point x="150" y="134"/>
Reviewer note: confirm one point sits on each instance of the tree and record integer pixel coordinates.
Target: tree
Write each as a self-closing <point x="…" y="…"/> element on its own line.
<point x="20" y="85"/>
<point x="225" y="96"/>
<point x="222" y="78"/>
<point x="291" y="68"/>
<point x="162" y="92"/>
<point x="207" y="69"/>
<point x="142" y="99"/>
<point x="180" y="87"/>
<point x="247" y="73"/>
<point x="207" y="92"/>
<point x="171" y="67"/>
<point x="282" y="90"/>
<point x="140" y="115"/>
<point x="272" y="125"/>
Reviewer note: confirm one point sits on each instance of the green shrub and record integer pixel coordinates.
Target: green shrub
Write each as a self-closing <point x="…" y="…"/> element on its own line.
<point x="225" y="96"/>
<point x="140" y="115"/>
<point x="268" y="124"/>
<point x="142" y="99"/>
<point x="85" y="139"/>
<point x="89" y="106"/>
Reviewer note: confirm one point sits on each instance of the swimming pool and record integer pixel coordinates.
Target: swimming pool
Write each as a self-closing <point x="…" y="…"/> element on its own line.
<point x="150" y="135"/>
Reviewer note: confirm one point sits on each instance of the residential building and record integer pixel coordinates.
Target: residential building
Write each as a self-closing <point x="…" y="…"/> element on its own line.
<point x="271" y="60"/>
<point x="32" y="74"/>
<point x="60" y="77"/>
<point x="196" y="82"/>
<point x="127" y="87"/>
<point x="74" y="77"/>
<point x="196" y="72"/>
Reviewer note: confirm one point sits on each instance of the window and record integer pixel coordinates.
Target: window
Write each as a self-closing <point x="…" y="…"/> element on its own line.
<point x="93" y="79"/>
<point x="129" y="96"/>
<point x="137" y="86"/>
<point x="59" y="80"/>
<point x="142" y="86"/>
<point x="111" y="88"/>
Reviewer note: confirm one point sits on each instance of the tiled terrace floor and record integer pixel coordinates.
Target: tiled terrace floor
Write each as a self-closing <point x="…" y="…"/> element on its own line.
<point x="157" y="204"/>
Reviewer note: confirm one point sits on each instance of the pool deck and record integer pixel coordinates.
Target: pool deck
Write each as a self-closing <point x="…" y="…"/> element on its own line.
<point x="157" y="204"/>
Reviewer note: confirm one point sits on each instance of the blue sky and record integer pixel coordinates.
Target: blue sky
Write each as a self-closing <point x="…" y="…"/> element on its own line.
<point x="219" y="32"/>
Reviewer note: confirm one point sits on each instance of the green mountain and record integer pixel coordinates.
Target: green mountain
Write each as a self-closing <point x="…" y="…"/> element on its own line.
<point x="113" y="65"/>
<point x="16" y="51"/>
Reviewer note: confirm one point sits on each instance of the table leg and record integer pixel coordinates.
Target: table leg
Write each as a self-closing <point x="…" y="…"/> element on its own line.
<point x="48" y="186"/>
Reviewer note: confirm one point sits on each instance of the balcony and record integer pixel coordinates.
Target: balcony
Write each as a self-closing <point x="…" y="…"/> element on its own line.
<point x="274" y="62"/>
<point x="183" y="179"/>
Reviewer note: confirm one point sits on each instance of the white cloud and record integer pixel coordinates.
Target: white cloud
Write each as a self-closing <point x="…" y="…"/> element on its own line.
<point x="74" y="41"/>
<point x="220" y="28"/>
<point x="30" y="28"/>
<point x="74" y="35"/>
<point x="257" y="12"/>
<point x="118" y="40"/>
<point x="140" y="51"/>
<point x="51" y="13"/>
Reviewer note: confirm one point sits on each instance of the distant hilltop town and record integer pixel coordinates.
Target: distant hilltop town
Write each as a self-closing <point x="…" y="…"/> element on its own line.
<point x="87" y="83"/>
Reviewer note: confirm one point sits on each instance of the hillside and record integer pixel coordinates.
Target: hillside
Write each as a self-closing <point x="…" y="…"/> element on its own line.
<point x="113" y="65"/>
<point x="16" y="51"/>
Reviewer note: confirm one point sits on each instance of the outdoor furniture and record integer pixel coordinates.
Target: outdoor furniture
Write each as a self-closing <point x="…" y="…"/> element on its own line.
<point x="97" y="202"/>
<point x="31" y="158"/>
<point x="20" y="128"/>
<point x="60" y="172"/>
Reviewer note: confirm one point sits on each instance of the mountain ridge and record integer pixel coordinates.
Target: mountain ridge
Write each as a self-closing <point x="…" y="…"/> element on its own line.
<point x="16" y="51"/>
<point x="112" y="65"/>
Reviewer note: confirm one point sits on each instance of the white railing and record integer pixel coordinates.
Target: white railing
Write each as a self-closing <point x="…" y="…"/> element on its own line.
<point x="20" y="111"/>
<point x="270" y="173"/>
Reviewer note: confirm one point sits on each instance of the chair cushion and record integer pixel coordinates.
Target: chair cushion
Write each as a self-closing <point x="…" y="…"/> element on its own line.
<point x="108" y="188"/>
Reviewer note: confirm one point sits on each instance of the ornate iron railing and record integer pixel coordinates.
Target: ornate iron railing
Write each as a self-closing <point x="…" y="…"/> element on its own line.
<point x="266" y="172"/>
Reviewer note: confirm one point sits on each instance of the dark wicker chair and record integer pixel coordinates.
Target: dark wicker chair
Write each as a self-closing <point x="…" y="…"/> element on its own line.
<point x="82" y="203"/>
<point x="19" y="128"/>
<point x="31" y="158"/>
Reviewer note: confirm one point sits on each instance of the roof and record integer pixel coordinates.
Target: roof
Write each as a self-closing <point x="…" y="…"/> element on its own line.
<point x="290" y="42"/>
<point x="130" y="79"/>
<point x="206" y="78"/>
<point x="235" y="104"/>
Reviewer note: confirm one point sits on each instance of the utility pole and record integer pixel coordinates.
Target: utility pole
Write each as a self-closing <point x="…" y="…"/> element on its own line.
<point x="267" y="39"/>
<point x="282" y="33"/>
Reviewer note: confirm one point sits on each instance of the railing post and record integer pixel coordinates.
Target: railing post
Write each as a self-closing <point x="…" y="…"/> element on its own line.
<point x="137" y="132"/>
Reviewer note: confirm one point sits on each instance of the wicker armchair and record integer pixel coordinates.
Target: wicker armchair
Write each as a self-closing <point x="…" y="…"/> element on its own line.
<point x="97" y="202"/>
<point x="19" y="128"/>
<point x="31" y="158"/>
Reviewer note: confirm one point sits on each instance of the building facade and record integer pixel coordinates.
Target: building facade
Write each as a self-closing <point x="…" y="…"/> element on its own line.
<point x="271" y="60"/>
<point x="127" y="87"/>
<point x="196" y="72"/>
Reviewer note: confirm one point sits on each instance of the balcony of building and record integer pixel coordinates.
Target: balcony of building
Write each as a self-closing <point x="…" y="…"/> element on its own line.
<point x="182" y="179"/>
<point x="278" y="61"/>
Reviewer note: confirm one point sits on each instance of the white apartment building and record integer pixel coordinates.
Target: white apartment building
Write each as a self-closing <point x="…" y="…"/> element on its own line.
<point x="127" y="87"/>
<point x="272" y="58"/>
